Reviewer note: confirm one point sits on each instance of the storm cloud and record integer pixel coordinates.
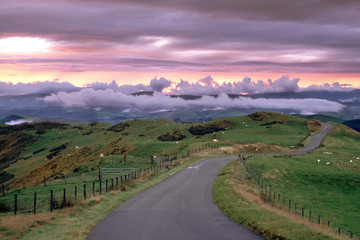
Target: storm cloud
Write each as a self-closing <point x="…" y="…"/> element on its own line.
<point x="204" y="36"/>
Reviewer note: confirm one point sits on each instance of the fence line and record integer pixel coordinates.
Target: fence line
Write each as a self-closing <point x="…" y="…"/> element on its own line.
<point x="95" y="183"/>
<point x="269" y="195"/>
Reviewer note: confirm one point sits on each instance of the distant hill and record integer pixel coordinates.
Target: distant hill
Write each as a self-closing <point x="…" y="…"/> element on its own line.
<point x="354" y="124"/>
<point x="18" y="119"/>
<point x="322" y="118"/>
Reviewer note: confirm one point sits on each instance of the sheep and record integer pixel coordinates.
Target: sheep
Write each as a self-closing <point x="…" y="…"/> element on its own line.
<point x="351" y="161"/>
<point x="319" y="160"/>
<point x="215" y="140"/>
<point x="327" y="163"/>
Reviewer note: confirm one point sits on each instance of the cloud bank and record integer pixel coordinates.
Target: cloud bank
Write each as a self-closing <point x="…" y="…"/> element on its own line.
<point x="90" y="98"/>
<point x="204" y="86"/>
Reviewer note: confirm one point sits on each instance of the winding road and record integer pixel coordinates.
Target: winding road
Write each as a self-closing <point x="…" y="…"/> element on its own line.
<point x="181" y="207"/>
<point x="316" y="139"/>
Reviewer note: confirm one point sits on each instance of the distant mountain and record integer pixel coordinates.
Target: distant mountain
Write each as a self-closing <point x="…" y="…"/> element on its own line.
<point x="18" y="119"/>
<point x="22" y="107"/>
<point x="354" y="124"/>
<point x="338" y="96"/>
<point x="322" y="118"/>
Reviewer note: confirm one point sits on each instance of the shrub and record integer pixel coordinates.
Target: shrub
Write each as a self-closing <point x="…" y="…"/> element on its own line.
<point x="61" y="147"/>
<point x="204" y="128"/>
<point x="174" y="135"/>
<point x="119" y="127"/>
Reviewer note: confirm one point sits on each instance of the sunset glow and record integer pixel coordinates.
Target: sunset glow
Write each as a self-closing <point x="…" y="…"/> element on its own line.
<point x="24" y="45"/>
<point x="133" y="42"/>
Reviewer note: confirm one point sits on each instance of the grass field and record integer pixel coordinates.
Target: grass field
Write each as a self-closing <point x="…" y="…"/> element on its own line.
<point x="138" y="140"/>
<point x="241" y="202"/>
<point x="78" y="162"/>
<point x="331" y="191"/>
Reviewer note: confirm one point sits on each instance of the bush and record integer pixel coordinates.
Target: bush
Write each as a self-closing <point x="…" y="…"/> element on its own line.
<point x="174" y="135"/>
<point x="119" y="127"/>
<point x="61" y="147"/>
<point x="39" y="150"/>
<point x="204" y="128"/>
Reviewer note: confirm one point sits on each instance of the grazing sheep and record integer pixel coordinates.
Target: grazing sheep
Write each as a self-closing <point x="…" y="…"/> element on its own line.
<point x="101" y="155"/>
<point x="215" y="140"/>
<point x="327" y="163"/>
<point x="351" y="161"/>
<point x="319" y="160"/>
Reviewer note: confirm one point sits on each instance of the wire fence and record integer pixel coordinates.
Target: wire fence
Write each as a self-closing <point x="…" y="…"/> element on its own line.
<point x="66" y="192"/>
<point x="281" y="201"/>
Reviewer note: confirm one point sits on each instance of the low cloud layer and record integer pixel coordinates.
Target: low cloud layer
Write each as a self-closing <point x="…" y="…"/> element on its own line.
<point x="90" y="98"/>
<point x="204" y="86"/>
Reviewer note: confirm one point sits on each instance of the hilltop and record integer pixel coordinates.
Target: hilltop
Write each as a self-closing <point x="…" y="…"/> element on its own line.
<point x="32" y="151"/>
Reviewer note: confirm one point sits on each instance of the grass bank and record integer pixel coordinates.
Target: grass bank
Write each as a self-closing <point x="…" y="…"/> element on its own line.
<point x="241" y="201"/>
<point x="327" y="181"/>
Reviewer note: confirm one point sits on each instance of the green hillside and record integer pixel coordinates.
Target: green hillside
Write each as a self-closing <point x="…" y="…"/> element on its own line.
<point x="63" y="148"/>
<point x="330" y="190"/>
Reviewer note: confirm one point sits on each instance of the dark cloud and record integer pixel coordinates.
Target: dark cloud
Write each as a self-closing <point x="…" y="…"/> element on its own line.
<point x="37" y="87"/>
<point x="184" y="35"/>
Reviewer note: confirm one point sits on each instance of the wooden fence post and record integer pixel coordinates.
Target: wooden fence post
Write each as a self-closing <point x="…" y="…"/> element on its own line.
<point x="302" y="212"/>
<point x="93" y="189"/>
<point x="75" y="192"/>
<point x="64" y="198"/>
<point x="100" y="180"/>
<point x="51" y="200"/>
<point x="310" y="216"/>
<point x="112" y="184"/>
<point x="84" y="191"/>
<point x="319" y="219"/>
<point x="106" y="185"/>
<point x="15" y="204"/>
<point x="34" y="202"/>
<point x="3" y="189"/>
<point x="289" y="204"/>
<point x="44" y="181"/>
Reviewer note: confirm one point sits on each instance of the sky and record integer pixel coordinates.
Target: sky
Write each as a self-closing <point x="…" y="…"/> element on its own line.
<point x="237" y="46"/>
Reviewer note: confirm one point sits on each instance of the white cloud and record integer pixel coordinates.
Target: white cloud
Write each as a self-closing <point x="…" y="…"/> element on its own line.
<point x="88" y="98"/>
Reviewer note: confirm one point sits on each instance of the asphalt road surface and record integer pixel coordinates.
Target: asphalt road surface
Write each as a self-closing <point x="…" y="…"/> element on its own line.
<point x="316" y="139"/>
<point x="181" y="207"/>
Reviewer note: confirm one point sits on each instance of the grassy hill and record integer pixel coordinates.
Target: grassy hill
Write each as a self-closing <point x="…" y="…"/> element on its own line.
<point x="138" y="139"/>
<point x="331" y="191"/>
<point x="32" y="151"/>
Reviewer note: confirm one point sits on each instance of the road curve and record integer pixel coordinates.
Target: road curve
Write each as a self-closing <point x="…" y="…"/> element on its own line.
<point x="316" y="140"/>
<point x="180" y="207"/>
